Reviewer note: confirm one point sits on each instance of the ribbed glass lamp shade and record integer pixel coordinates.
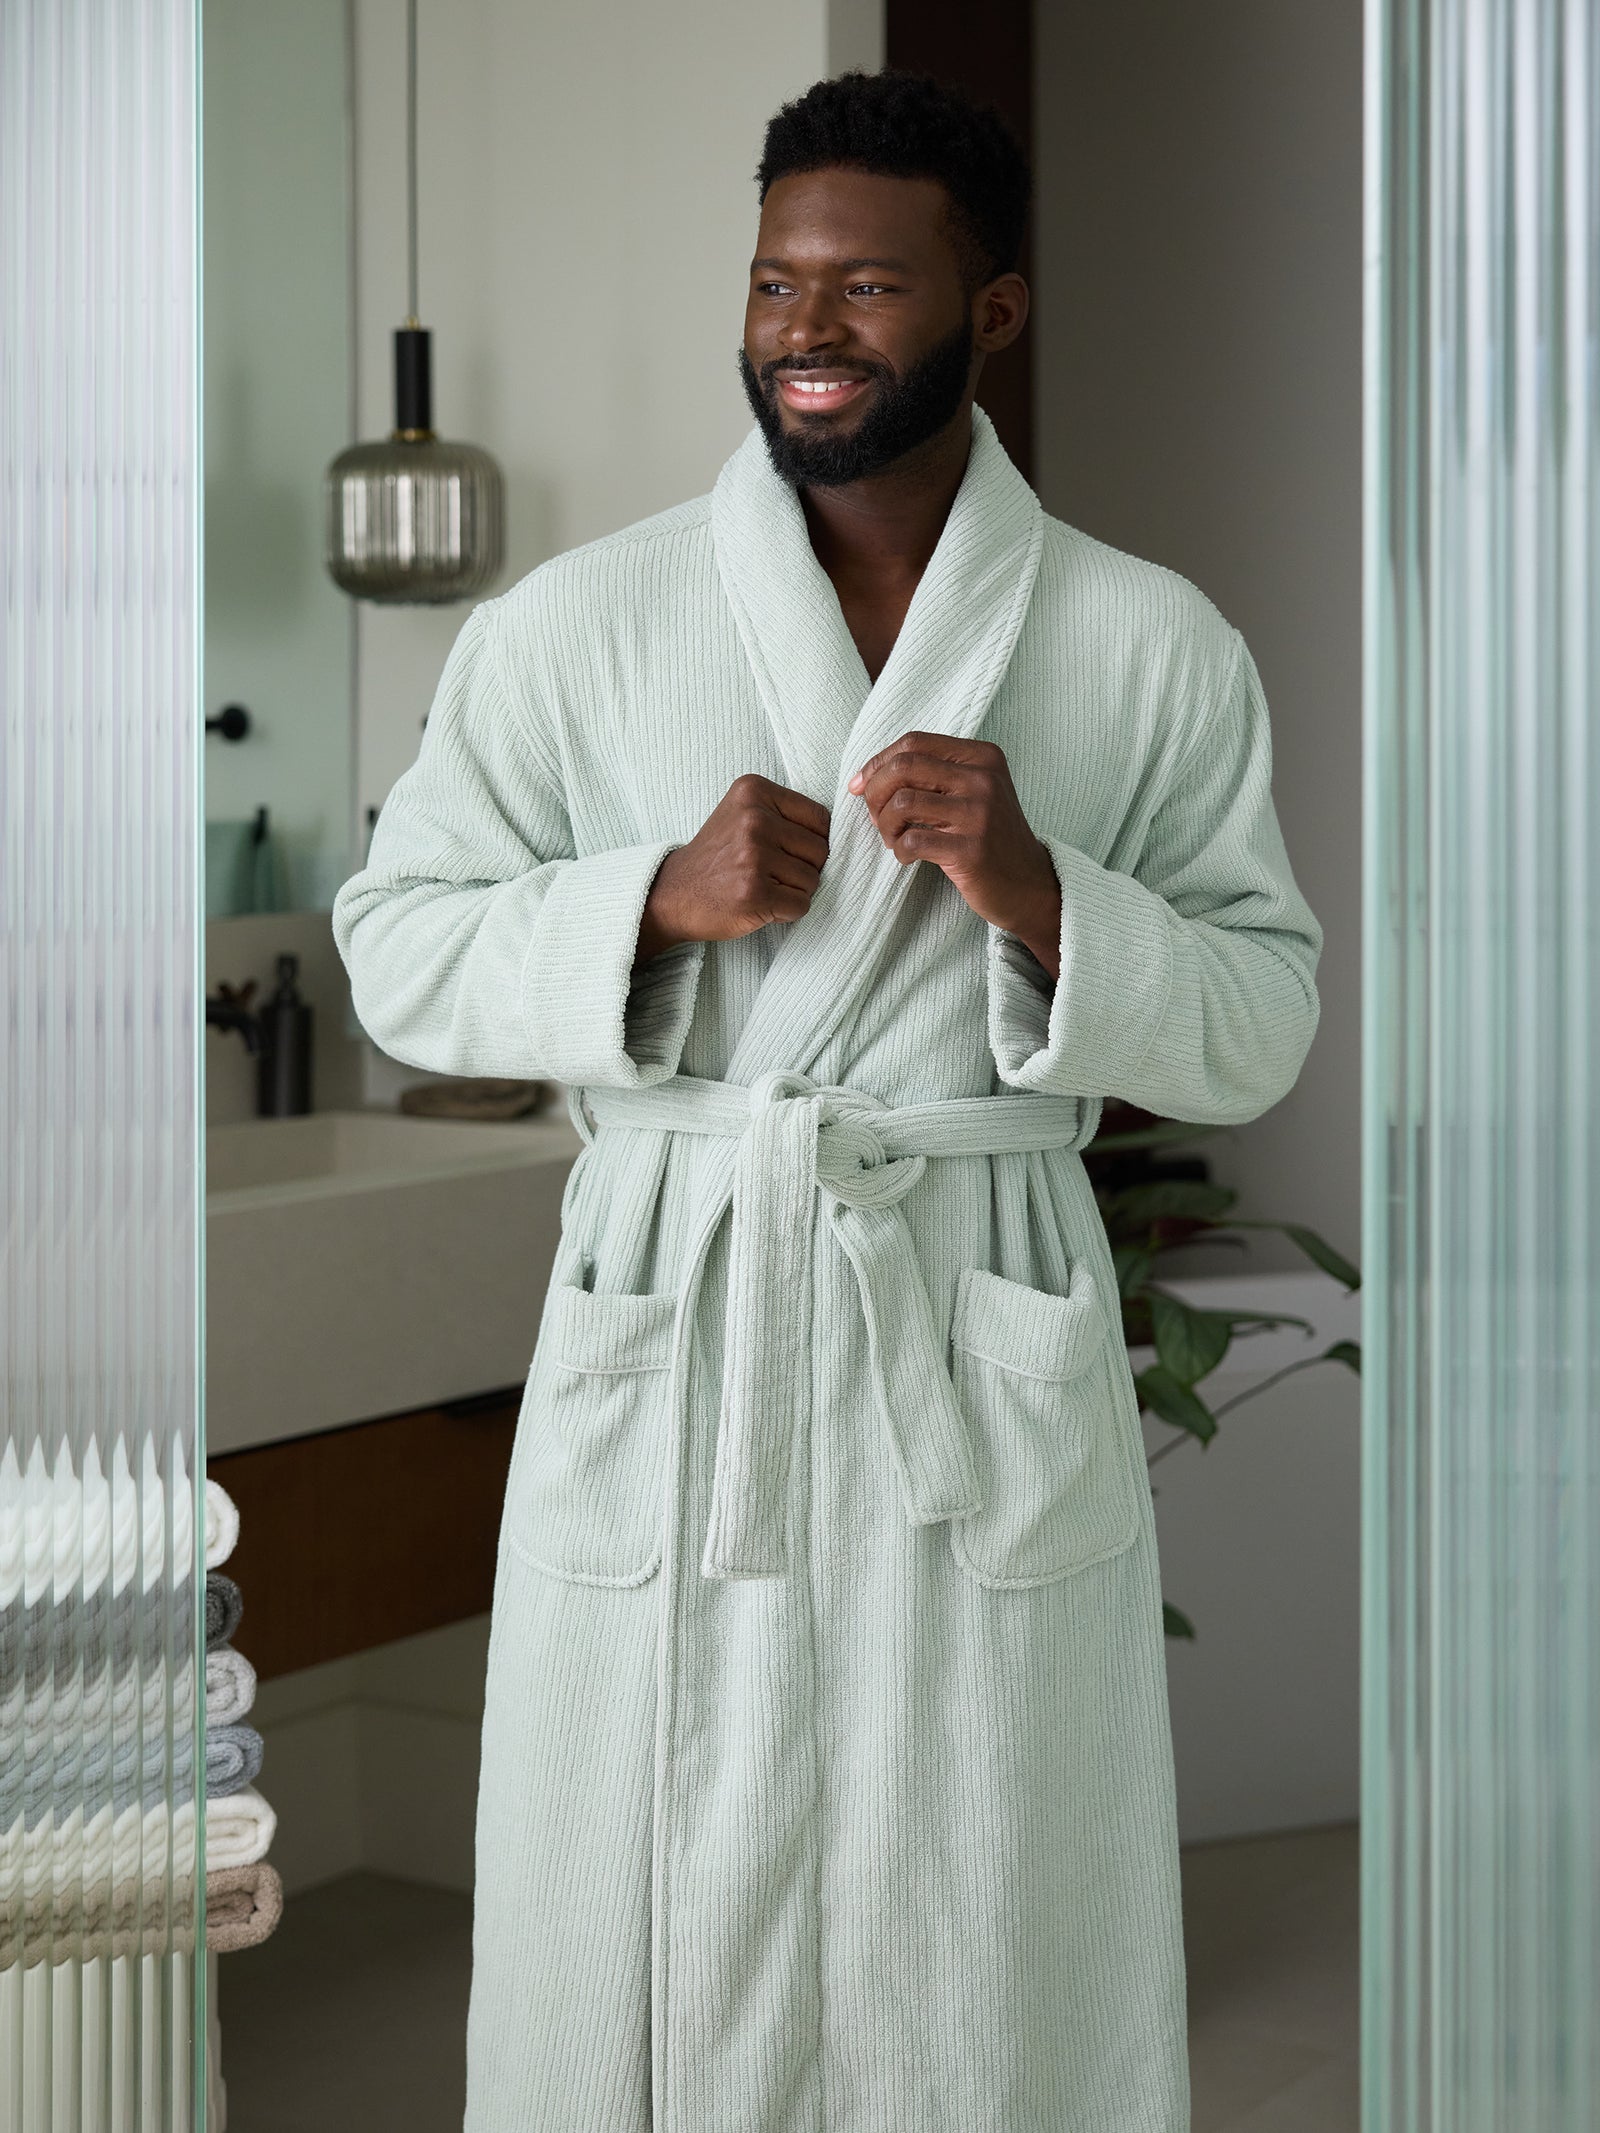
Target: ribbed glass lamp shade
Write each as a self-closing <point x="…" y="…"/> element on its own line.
<point x="414" y="523"/>
<point x="413" y="520"/>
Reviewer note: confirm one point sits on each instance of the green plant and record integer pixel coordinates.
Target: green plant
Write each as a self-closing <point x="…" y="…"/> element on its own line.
<point x="1155" y="1200"/>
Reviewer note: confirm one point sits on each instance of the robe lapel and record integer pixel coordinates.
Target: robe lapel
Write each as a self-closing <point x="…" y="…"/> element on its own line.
<point x="807" y="669"/>
<point x="941" y="676"/>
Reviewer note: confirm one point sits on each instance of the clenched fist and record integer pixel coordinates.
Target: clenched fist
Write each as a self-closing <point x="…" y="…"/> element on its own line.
<point x="952" y="803"/>
<point x="757" y="857"/>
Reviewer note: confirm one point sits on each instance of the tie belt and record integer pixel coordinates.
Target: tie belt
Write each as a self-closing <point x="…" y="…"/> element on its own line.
<point x="798" y="1141"/>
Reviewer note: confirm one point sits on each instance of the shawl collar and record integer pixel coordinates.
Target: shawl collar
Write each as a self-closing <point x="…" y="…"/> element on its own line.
<point x="947" y="661"/>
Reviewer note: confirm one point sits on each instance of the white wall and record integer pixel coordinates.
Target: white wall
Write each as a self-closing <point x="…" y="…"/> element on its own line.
<point x="587" y="211"/>
<point x="1198" y="388"/>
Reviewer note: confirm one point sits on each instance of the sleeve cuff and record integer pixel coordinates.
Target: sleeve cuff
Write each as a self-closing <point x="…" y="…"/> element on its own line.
<point x="1083" y="1036"/>
<point x="587" y="1015"/>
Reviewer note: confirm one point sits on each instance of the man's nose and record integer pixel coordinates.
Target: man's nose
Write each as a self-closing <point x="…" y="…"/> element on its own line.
<point x="813" y="324"/>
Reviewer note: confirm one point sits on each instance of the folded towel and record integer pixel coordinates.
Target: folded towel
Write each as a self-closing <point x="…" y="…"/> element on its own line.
<point x="230" y="1686"/>
<point x="76" y="1888"/>
<point x="233" y="1758"/>
<point x="243" y="1904"/>
<point x="137" y="1766"/>
<point x="224" y="1607"/>
<point x="222" y="1524"/>
<point x="478" y="1096"/>
<point x="68" y="1526"/>
<point x="239" y="1828"/>
<point x="55" y="1640"/>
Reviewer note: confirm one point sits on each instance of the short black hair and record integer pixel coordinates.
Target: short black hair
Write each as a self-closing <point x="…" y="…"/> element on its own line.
<point x="903" y="125"/>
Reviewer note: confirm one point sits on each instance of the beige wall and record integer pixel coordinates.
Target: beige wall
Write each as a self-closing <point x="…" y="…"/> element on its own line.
<point x="1199" y="403"/>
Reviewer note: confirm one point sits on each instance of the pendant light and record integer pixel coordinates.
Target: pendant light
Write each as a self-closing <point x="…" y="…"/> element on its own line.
<point x="413" y="520"/>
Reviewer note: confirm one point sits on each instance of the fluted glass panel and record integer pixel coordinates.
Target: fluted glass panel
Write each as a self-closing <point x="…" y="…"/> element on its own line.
<point x="101" y="1858"/>
<point x="1482" y="1724"/>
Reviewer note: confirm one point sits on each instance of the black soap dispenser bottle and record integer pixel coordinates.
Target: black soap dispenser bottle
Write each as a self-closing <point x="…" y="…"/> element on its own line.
<point x="284" y="1086"/>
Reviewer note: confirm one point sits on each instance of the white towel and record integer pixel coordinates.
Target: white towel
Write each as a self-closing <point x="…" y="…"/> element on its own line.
<point x="222" y="1524"/>
<point x="239" y="1827"/>
<point x="62" y="1531"/>
<point x="230" y="1686"/>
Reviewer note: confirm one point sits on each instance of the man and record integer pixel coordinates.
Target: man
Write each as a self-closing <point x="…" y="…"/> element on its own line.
<point x="841" y="839"/>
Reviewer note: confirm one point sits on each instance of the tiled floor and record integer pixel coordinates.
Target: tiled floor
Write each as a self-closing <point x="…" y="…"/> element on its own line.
<point x="351" y="2017"/>
<point x="1272" y="1926"/>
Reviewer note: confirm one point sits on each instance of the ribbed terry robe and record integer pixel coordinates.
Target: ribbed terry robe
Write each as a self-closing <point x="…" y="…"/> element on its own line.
<point x="826" y="1777"/>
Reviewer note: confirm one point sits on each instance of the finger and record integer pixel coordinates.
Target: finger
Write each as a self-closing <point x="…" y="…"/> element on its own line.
<point x="799" y="807"/>
<point x="787" y="872"/>
<point x="914" y="767"/>
<point x="905" y="804"/>
<point x="806" y="844"/>
<point x="932" y="841"/>
<point x="946" y="747"/>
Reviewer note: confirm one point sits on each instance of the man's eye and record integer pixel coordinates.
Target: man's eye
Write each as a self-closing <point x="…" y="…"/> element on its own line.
<point x="870" y="288"/>
<point x="771" y="288"/>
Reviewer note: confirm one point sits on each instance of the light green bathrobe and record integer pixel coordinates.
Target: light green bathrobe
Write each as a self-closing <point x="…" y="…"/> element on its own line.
<point x="827" y="1779"/>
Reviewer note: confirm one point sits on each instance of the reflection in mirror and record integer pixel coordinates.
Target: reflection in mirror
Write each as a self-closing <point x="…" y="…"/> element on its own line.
<point x="279" y="637"/>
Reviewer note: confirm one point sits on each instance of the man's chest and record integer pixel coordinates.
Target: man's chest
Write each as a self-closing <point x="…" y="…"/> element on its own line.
<point x="659" y="719"/>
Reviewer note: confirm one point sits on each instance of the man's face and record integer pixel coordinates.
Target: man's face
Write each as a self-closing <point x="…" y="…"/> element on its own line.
<point x="858" y="332"/>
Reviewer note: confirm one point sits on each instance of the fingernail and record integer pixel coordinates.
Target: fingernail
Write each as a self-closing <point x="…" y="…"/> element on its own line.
<point x="855" y="782"/>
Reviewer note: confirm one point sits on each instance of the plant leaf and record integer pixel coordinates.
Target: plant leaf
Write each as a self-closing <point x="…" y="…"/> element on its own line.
<point x="1190" y="1343"/>
<point x="1317" y="1249"/>
<point x="1176" y="1403"/>
<point x="1189" y="1198"/>
<point x="1268" y="1318"/>
<point x="1174" y="1623"/>
<point x="1348" y="1352"/>
<point x="1132" y="1262"/>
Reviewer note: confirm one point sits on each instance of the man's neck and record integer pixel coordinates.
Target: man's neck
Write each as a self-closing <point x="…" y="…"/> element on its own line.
<point x="881" y="532"/>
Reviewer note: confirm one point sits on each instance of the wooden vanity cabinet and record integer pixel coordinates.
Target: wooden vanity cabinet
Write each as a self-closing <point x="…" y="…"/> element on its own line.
<point x="353" y="1537"/>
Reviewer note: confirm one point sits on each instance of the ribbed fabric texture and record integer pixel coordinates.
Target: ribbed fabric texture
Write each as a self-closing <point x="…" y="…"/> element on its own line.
<point x="882" y="1840"/>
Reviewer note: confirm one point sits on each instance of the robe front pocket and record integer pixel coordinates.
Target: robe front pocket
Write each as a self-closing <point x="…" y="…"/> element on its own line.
<point x="587" y="1502"/>
<point x="1031" y="1375"/>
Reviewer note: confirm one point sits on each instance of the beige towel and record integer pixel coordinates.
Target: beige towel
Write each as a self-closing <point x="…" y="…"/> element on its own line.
<point x="243" y="1904"/>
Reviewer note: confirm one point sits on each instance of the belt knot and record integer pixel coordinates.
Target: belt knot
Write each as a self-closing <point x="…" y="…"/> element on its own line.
<point x="849" y="1160"/>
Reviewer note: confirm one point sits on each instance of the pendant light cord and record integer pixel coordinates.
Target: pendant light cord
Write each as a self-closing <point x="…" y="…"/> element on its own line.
<point x="411" y="158"/>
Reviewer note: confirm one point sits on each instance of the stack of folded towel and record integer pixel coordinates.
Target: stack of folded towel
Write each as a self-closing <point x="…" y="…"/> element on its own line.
<point x="244" y="1892"/>
<point x="98" y="1833"/>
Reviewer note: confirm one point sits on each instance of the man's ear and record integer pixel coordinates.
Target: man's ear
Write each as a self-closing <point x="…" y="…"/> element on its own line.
<point x="1002" y="312"/>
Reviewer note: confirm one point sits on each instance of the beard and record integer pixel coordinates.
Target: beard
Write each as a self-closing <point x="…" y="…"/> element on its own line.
<point x="907" y="409"/>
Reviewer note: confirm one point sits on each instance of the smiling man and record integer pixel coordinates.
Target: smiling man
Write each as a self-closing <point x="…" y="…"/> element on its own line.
<point x="842" y="839"/>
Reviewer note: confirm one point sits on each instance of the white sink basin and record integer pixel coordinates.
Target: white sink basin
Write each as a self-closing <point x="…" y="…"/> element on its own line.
<point x="364" y="1263"/>
<point x="352" y="1148"/>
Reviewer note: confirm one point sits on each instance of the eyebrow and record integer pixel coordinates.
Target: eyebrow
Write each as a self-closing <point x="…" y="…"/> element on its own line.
<point x="845" y="266"/>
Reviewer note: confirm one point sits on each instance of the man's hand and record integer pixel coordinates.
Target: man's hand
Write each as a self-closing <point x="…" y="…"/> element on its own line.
<point x="953" y="802"/>
<point x="757" y="857"/>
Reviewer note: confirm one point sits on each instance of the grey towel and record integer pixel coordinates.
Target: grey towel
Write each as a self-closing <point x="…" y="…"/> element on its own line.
<point x="233" y="1759"/>
<point x="132" y="1765"/>
<point x="224" y="1606"/>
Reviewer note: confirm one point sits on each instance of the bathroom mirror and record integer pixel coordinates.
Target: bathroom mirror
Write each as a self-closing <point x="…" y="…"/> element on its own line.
<point x="278" y="400"/>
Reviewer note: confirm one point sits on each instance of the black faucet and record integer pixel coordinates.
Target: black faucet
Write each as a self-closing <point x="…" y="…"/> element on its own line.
<point x="229" y="1008"/>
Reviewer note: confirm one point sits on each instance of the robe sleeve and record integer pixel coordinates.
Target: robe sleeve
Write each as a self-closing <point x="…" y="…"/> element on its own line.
<point x="1187" y="987"/>
<point x="477" y="942"/>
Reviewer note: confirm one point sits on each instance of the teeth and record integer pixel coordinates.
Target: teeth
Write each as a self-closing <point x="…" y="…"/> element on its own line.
<point x="831" y="385"/>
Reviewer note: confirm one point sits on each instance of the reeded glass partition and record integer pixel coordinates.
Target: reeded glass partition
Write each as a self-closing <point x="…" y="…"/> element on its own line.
<point x="1482" y="1212"/>
<point x="101" y="1853"/>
